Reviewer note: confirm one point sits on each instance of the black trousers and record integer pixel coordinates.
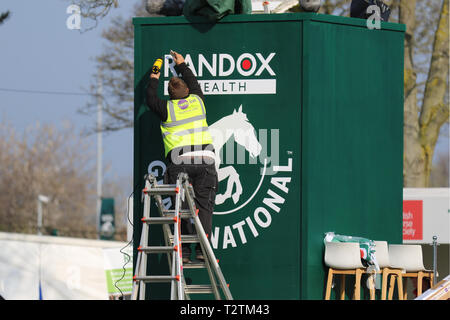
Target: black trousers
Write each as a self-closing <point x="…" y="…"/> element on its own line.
<point x="203" y="178"/>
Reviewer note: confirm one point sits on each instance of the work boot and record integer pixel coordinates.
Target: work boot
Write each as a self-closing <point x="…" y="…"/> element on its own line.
<point x="199" y="255"/>
<point x="186" y="260"/>
<point x="186" y="252"/>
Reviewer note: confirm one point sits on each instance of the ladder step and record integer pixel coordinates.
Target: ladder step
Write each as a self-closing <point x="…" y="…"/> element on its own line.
<point x="169" y="218"/>
<point x="159" y="220"/>
<point x="186" y="238"/>
<point x="190" y="239"/>
<point x="155" y="278"/>
<point x="157" y="249"/>
<point x="194" y="265"/>
<point x="184" y="213"/>
<point x="162" y="190"/>
<point x="198" y="288"/>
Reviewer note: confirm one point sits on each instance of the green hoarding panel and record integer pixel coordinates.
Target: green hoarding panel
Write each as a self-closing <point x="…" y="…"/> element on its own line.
<point x="306" y="111"/>
<point x="107" y="219"/>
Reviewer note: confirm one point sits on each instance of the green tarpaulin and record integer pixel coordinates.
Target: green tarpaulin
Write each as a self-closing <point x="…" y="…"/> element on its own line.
<point x="215" y="10"/>
<point x="367" y="246"/>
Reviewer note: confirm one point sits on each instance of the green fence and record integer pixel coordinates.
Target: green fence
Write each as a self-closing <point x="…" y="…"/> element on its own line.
<point x="306" y="111"/>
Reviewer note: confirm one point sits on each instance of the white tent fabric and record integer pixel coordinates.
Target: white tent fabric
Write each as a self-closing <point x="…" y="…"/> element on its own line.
<point x="19" y="270"/>
<point x="66" y="268"/>
<point x="70" y="272"/>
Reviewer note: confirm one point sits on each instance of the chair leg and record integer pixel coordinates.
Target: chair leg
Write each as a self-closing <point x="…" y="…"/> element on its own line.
<point x="391" y="286"/>
<point x="384" y="284"/>
<point x="342" y="289"/>
<point x="357" y="291"/>
<point x="419" y="283"/>
<point x="329" y="283"/>
<point x="400" y="286"/>
<point x="405" y="291"/>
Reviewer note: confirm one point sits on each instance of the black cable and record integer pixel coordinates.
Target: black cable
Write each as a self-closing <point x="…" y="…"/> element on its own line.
<point x="129" y="242"/>
<point x="123" y="267"/>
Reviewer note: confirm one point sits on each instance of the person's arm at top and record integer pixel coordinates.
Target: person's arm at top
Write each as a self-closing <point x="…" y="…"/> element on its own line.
<point x="155" y="104"/>
<point x="187" y="75"/>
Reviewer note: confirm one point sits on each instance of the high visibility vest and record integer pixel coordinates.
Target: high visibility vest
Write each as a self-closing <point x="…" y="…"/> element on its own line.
<point x="186" y="124"/>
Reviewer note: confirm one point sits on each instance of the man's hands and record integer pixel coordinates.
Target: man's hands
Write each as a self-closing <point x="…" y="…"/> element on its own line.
<point x="178" y="58"/>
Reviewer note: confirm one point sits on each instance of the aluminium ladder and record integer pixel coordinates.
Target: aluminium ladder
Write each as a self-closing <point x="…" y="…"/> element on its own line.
<point x="182" y="191"/>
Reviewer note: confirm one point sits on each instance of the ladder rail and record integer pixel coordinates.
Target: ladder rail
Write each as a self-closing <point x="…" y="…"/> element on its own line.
<point x="204" y="240"/>
<point x="177" y="240"/>
<point x="173" y="292"/>
<point x="144" y="242"/>
<point x="214" y="286"/>
<point x="135" y="287"/>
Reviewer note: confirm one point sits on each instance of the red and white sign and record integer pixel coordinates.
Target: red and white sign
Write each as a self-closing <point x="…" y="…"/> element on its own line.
<point x="412" y="219"/>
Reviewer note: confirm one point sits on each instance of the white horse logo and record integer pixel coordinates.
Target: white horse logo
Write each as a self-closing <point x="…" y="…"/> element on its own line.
<point x="236" y="125"/>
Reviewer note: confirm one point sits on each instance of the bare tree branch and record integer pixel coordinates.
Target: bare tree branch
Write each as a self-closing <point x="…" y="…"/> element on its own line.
<point x="117" y="66"/>
<point x="94" y="10"/>
<point x="4" y="16"/>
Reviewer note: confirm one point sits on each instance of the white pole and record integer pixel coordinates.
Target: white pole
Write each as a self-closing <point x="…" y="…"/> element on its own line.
<point x="39" y="217"/>
<point x="130" y="216"/>
<point x="41" y="199"/>
<point x="99" y="148"/>
<point x="435" y="244"/>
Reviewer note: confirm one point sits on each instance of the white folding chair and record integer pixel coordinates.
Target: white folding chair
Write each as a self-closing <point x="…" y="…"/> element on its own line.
<point x="410" y="259"/>
<point x="343" y="258"/>
<point x="386" y="269"/>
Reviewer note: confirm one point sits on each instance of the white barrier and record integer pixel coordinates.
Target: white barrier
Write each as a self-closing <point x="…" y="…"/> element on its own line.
<point x="57" y="268"/>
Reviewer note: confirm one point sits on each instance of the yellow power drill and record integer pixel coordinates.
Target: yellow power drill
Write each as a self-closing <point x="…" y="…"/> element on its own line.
<point x="157" y="66"/>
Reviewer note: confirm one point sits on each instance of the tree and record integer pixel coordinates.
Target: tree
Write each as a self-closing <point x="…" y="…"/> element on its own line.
<point x="439" y="177"/>
<point x="45" y="160"/>
<point x="423" y="121"/>
<point x="60" y="164"/>
<point x="116" y="65"/>
<point x="95" y="9"/>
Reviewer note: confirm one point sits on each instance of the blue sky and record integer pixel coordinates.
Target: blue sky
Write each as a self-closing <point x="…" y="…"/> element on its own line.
<point x="38" y="52"/>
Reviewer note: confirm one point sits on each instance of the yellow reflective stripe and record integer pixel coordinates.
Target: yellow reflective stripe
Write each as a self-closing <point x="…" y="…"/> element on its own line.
<point x="201" y="103"/>
<point x="190" y="131"/>
<point x="172" y="140"/>
<point x="171" y="111"/>
<point x="184" y="121"/>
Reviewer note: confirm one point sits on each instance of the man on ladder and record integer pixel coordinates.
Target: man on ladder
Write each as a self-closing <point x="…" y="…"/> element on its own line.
<point x="187" y="143"/>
